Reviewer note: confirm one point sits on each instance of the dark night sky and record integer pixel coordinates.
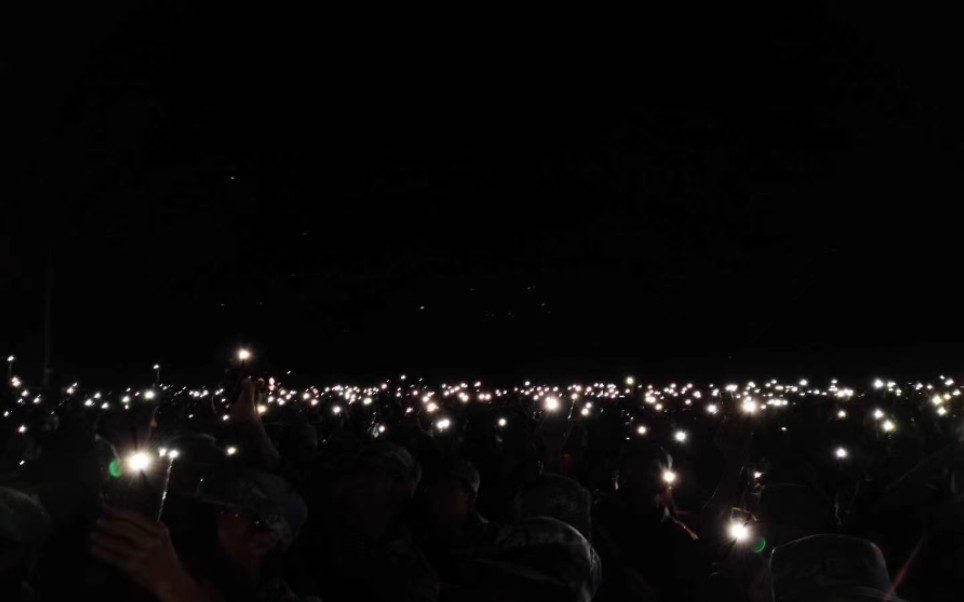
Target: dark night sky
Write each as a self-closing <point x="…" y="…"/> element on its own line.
<point x="705" y="190"/>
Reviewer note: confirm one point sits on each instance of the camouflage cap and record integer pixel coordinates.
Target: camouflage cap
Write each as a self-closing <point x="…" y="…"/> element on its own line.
<point x="268" y="497"/>
<point x="546" y="549"/>
<point x="392" y="459"/>
<point x="822" y="567"/>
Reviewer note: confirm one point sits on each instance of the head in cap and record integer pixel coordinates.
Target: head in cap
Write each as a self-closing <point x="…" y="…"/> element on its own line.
<point x="547" y="552"/>
<point x="448" y="501"/>
<point x="559" y="497"/>
<point x="644" y="477"/>
<point x="254" y="507"/>
<point x="830" y="568"/>
<point x="374" y="487"/>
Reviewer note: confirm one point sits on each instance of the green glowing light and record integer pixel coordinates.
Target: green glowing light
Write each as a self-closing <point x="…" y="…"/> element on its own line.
<point x="115" y="468"/>
<point x="760" y="545"/>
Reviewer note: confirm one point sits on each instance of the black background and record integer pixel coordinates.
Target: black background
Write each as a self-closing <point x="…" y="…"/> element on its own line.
<point x="698" y="191"/>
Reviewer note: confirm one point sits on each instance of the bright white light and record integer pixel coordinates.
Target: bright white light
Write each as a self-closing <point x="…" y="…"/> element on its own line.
<point x="680" y="436"/>
<point x="22" y="429"/>
<point x="162" y="451"/>
<point x="173" y="454"/>
<point x="225" y="418"/>
<point x="749" y="406"/>
<point x="937" y="400"/>
<point x="552" y="404"/>
<point x="878" y="384"/>
<point x="641" y="430"/>
<point x="739" y="531"/>
<point x="381" y="428"/>
<point x="841" y="453"/>
<point x="231" y="450"/>
<point x="889" y="426"/>
<point x="432" y="407"/>
<point x="89" y="402"/>
<point x="262" y="408"/>
<point x="650" y="399"/>
<point x="126" y="399"/>
<point x="148" y="394"/>
<point x="138" y="461"/>
<point x="157" y="366"/>
<point x="337" y="410"/>
<point x="630" y="381"/>
<point x="731" y="388"/>
<point x="503" y="421"/>
<point x="443" y="424"/>
<point x="244" y="354"/>
<point x="941" y="411"/>
<point x="841" y="414"/>
<point x="712" y="408"/>
<point x="584" y="411"/>
<point x="803" y="383"/>
<point x="878" y="414"/>
<point x="367" y="401"/>
<point x="757" y="474"/>
<point x="669" y="477"/>
<point x="10" y="359"/>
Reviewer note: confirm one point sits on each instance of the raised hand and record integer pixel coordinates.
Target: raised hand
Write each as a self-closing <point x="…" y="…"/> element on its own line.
<point x="141" y="549"/>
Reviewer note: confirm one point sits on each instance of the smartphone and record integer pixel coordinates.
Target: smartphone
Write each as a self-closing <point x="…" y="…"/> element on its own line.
<point x="140" y="484"/>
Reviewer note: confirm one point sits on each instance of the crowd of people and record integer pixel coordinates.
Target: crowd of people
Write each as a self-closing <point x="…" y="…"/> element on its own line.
<point x="412" y="492"/>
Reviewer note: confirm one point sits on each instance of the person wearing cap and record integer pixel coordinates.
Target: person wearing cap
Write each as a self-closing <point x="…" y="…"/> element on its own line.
<point x="235" y="554"/>
<point x="830" y="568"/>
<point x="646" y="550"/>
<point x="361" y="539"/>
<point x="453" y="531"/>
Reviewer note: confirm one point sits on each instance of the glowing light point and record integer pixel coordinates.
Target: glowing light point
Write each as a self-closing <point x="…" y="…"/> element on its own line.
<point x="244" y="354"/>
<point x="231" y="450"/>
<point x="552" y="404"/>
<point x="502" y="422"/>
<point x="712" y="408"/>
<point x="641" y="430"/>
<point x="669" y="477"/>
<point x="680" y="436"/>
<point x="149" y="394"/>
<point x="878" y="414"/>
<point x="739" y="532"/>
<point x="138" y="461"/>
<point x="878" y="384"/>
<point x="841" y="414"/>
<point x="889" y="426"/>
<point x="841" y="453"/>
